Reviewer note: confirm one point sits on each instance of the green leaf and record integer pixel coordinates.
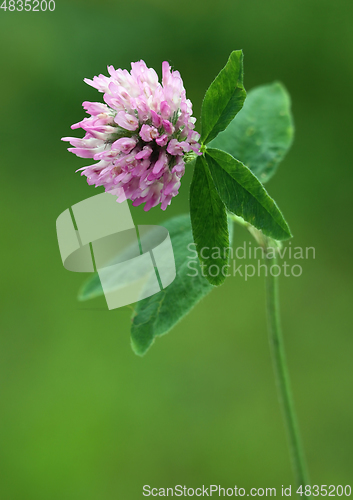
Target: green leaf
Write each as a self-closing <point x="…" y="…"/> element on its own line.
<point x="244" y="195"/>
<point x="262" y="133"/>
<point x="90" y="289"/>
<point x="119" y="279"/>
<point x="209" y="223"/>
<point x="223" y="99"/>
<point x="158" y="314"/>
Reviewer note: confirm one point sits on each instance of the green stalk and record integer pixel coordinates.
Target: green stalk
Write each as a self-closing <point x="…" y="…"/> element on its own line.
<point x="270" y="248"/>
<point x="282" y="377"/>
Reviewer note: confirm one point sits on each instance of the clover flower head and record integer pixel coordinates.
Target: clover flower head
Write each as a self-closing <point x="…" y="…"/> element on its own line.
<point x="139" y="136"/>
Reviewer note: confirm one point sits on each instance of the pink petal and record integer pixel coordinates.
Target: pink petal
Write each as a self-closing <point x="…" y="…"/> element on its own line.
<point x="126" y="121"/>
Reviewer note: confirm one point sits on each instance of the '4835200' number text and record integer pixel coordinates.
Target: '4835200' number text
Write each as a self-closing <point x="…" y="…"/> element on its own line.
<point x="28" y="5"/>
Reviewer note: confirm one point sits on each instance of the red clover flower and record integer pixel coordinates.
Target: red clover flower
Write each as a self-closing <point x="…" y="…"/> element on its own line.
<point x="140" y="136"/>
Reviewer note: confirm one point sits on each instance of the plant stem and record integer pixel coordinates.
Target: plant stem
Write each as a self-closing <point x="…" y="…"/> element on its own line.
<point x="281" y="375"/>
<point x="270" y="248"/>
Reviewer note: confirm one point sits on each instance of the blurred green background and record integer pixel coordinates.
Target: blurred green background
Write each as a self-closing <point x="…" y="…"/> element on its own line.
<point x="81" y="416"/>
